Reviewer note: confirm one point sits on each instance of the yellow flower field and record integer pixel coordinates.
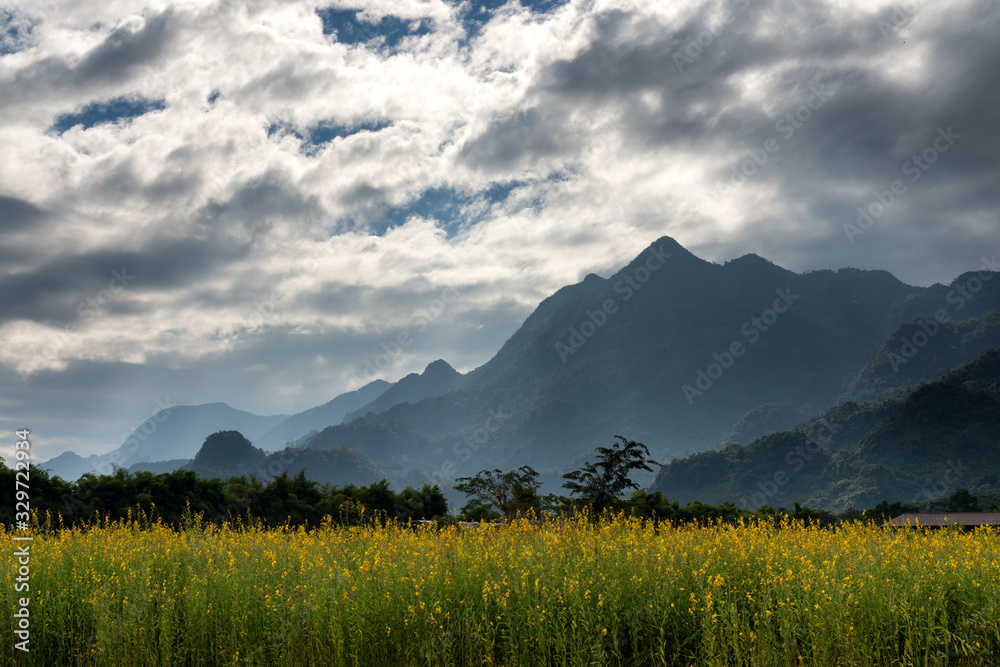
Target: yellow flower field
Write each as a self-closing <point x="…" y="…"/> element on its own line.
<point x="616" y="592"/>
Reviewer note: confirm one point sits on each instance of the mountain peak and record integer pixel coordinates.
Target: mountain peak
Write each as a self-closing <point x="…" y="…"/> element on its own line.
<point x="668" y="244"/>
<point x="437" y="379"/>
<point x="440" y="367"/>
<point x="225" y="448"/>
<point x="752" y="264"/>
<point x="749" y="258"/>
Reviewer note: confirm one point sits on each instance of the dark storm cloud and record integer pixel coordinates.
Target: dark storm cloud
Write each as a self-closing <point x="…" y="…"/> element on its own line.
<point x="17" y="214"/>
<point x="125" y="50"/>
<point x="516" y="143"/>
<point x="259" y="203"/>
<point x="58" y="289"/>
<point x="123" y="53"/>
<point x="877" y="128"/>
<point x="835" y="120"/>
<point x="626" y="57"/>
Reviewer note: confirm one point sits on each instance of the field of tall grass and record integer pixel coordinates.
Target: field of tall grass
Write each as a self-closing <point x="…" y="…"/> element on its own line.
<point x="576" y="592"/>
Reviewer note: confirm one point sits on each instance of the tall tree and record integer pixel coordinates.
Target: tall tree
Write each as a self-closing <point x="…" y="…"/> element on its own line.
<point x="600" y="484"/>
<point x="510" y="493"/>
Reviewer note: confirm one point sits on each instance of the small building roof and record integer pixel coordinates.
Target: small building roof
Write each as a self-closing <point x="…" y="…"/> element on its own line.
<point x="938" y="519"/>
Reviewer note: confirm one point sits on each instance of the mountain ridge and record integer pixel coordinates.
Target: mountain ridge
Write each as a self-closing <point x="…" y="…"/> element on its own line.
<point x="671" y="349"/>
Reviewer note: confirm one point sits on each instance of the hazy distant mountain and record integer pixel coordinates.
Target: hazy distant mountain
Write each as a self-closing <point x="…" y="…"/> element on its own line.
<point x="176" y="432"/>
<point x="71" y="466"/>
<point x="173" y="435"/>
<point x="318" y="418"/>
<point x="940" y="437"/>
<point x="437" y="379"/>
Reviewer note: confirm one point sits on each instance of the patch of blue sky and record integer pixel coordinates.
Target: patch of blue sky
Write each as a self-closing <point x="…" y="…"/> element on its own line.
<point x="112" y="111"/>
<point x="480" y="12"/>
<point x="323" y="133"/>
<point x="453" y="211"/>
<point x="350" y="29"/>
<point x="326" y="132"/>
<point x="14" y="32"/>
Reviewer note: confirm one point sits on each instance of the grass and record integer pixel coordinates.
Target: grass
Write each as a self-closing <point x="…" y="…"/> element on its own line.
<point x="616" y="592"/>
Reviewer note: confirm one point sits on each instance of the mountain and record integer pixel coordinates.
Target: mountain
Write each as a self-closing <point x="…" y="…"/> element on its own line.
<point x="225" y="454"/>
<point x="939" y="437"/>
<point x="71" y="466"/>
<point x="229" y="454"/>
<point x="923" y="350"/>
<point x="338" y="467"/>
<point x="318" y="418"/>
<point x="765" y="419"/>
<point x="673" y="351"/>
<point x="175" y="432"/>
<point x="386" y="443"/>
<point x="437" y="379"/>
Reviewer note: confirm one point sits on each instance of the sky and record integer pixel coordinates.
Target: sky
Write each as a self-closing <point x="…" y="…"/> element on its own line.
<point x="248" y="201"/>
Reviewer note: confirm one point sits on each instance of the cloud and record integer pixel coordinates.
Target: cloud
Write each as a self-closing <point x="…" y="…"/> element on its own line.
<point x="285" y="192"/>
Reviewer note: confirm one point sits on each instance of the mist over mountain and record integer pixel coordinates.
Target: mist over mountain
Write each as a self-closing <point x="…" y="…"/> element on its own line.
<point x="316" y="419"/>
<point x="174" y="432"/>
<point x="671" y="350"/>
<point x="437" y="379"/>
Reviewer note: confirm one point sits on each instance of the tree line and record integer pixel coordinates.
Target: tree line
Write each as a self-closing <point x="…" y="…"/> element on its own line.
<point x="177" y="496"/>
<point x="597" y="487"/>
